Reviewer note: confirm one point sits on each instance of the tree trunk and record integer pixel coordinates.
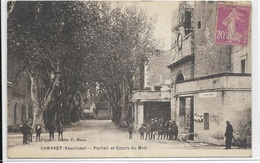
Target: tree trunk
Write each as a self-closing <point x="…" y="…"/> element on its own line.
<point x="39" y="105"/>
<point x="125" y="104"/>
<point x="37" y="113"/>
<point x="38" y="118"/>
<point x="116" y="116"/>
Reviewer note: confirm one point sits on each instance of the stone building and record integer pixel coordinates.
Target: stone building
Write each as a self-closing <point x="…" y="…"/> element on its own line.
<point x="151" y="97"/>
<point x="211" y="83"/>
<point x="19" y="101"/>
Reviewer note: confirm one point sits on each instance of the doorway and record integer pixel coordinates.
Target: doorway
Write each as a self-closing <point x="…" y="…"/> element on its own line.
<point x="186" y="114"/>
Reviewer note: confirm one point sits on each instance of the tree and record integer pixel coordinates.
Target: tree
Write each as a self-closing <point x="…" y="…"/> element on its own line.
<point x="43" y="39"/>
<point x="127" y="40"/>
<point x="72" y="47"/>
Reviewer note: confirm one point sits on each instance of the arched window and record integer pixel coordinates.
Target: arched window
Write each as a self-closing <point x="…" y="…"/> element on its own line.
<point x="179" y="78"/>
<point x="15" y="106"/>
<point x="30" y="112"/>
<point x="23" y="115"/>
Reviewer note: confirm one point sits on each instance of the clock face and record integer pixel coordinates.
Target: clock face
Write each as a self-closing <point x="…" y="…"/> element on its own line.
<point x="179" y="41"/>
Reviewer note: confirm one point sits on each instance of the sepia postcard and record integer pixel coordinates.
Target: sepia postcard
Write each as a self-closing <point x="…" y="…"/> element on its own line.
<point x="128" y="79"/>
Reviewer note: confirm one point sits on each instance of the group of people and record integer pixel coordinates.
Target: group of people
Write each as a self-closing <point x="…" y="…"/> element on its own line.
<point x="169" y="130"/>
<point x="27" y="131"/>
<point x="52" y="128"/>
<point x="156" y="129"/>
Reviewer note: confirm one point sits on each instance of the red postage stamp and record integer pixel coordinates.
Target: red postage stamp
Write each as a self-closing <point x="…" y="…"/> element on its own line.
<point x="233" y="23"/>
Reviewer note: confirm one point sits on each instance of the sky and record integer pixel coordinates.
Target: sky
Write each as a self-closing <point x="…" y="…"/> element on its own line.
<point x="162" y="12"/>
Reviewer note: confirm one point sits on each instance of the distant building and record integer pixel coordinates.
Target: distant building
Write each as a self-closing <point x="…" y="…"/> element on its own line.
<point x="211" y="83"/>
<point x="151" y="97"/>
<point x="89" y="109"/>
<point x="103" y="111"/>
<point x="19" y="100"/>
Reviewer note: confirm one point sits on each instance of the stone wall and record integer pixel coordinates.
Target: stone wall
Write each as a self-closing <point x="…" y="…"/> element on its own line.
<point x="230" y="100"/>
<point x="210" y="58"/>
<point x="156" y="71"/>
<point x="186" y="69"/>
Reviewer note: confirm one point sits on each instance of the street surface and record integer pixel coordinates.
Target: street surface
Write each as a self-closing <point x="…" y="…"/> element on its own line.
<point x="99" y="135"/>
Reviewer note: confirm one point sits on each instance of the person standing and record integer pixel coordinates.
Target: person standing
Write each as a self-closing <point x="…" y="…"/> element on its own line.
<point x="130" y="130"/>
<point x="30" y="132"/>
<point x="38" y="130"/>
<point x="147" y="131"/>
<point x="166" y="132"/>
<point x="152" y="128"/>
<point x="170" y="131"/>
<point x="175" y="130"/>
<point x="25" y="131"/>
<point x="51" y="130"/>
<point x="60" y="131"/>
<point x="155" y="131"/>
<point x="229" y="135"/>
<point x="160" y="131"/>
<point x="141" y="131"/>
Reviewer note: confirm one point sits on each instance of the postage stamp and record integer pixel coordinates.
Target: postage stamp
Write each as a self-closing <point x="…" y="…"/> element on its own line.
<point x="233" y="23"/>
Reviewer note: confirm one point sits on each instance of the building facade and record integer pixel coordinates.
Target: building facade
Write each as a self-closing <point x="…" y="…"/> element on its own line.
<point x="211" y="83"/>
<point x="19" y="101"/>
<point x="151" y="97"/>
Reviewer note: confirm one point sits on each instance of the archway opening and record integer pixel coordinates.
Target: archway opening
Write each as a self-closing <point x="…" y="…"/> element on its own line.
<point x="179" y="78"/>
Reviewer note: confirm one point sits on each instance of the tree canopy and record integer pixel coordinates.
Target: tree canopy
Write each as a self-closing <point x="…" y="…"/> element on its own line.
<point x="74" y="47"/>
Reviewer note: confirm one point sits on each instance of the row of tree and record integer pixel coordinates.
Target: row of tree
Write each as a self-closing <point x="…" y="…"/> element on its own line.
<point x="71" y="48"/>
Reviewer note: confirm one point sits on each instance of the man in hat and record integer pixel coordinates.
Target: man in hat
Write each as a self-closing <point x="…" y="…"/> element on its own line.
<point x="170" y="131"/>
<point x="52" y="128"/>
<point x="147" y="130"/>
<point x="152" y="128"/>
<point x="166" y="133"/>
<point x="229" y="135"/>
<point x="156" y="125"/>
<point x="160" y="131"/>
<point x="25" y="132"/>
<point x="175" y="130"/>
<point x="30" y="132"/>
<point x="141" y="131"/>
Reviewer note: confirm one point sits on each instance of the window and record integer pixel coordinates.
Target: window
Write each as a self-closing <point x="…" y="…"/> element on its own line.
<point x="199" y="24"/>
<point x="180" y="78"/>
<point x="182" y="106"/>
<point x="15" y="106"/>
<point x="187" y="24"/>
<point x="157" y="88"/>
<point x="30" y="112"/>
<point x="243" y="66"/>
<point x="206" y="121"/>
<point x="23" y="113"/>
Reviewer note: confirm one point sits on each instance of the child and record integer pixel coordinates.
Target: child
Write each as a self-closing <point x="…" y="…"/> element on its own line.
<point x="130" y="130"/>
<point x="30" y="133"/>
<point x="38" y="130"/>
<point x="147" y="130"/>
<point x="60" y="131"/>
<point x="160" y="131"/>
<point x="141" y="130"/>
